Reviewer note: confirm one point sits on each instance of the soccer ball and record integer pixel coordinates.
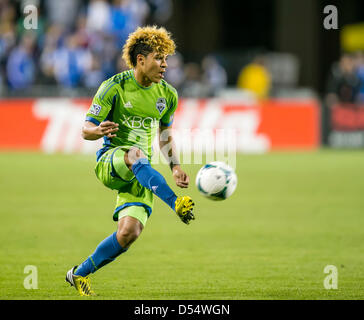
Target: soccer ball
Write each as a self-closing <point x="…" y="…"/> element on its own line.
<point x="216" y="180"/>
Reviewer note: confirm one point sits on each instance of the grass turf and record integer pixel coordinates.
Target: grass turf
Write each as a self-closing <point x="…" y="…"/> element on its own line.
<point x="291" y="215"/>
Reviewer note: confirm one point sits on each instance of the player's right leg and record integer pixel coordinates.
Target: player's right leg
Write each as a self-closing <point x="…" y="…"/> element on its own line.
<point x="129" y="228"/>
<point x="110" y="247"/>
<point x="81" y="284"/>
<point x="107" y="251"/>
<point x="151" y="179"/>
<point x="132" y="220"/>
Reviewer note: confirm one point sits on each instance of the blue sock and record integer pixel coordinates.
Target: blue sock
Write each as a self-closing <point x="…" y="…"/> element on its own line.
<point x="106" y="251"/>
<point x="154" y="181"/>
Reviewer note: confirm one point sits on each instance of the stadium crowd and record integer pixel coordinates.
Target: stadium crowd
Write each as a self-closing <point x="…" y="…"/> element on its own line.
<point x="75" y="43"/>
<point x="346" y="80"/>
<point x="78" y="43"/>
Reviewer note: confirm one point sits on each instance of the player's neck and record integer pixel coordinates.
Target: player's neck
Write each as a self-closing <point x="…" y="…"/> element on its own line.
<point x="141" y="78"/>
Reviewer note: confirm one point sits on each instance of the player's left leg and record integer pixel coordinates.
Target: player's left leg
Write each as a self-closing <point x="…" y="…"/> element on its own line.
<point x="152" y="180"/>
<point x="148" y="177"/>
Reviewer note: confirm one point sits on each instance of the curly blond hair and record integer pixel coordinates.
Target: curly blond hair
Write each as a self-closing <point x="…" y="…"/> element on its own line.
<point x="145" y="40"/>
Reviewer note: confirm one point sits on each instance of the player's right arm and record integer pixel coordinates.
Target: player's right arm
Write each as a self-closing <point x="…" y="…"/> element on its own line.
<point x="91" y="131"/>
<point x="95" y="126"/>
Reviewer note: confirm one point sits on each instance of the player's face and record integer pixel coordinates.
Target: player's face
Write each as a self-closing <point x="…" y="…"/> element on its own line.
<point x="154" y="67"/>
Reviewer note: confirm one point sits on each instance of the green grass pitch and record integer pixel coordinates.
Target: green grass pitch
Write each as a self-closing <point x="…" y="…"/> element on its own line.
<point x="291" y="215"/>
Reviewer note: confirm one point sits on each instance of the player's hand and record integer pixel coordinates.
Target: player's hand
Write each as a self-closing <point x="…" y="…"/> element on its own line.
<point x="108" y="128"/>
<point x="181" y="178"/>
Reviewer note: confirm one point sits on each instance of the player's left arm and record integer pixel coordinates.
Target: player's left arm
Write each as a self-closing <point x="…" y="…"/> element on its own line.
<point x="167" y="144"/>
<point x="168" y="148"/>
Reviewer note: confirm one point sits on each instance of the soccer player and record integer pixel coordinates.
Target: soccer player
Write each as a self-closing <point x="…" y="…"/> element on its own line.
<point x="128" y="111"/>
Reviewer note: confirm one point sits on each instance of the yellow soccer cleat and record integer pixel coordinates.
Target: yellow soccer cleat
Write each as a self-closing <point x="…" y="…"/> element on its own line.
<point x="184" y="207"/>
<point x="81" y="284"/>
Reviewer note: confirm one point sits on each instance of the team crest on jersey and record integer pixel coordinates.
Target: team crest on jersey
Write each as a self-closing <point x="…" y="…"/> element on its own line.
<point x="161" y="104"/>
<point x="95" y="109"/>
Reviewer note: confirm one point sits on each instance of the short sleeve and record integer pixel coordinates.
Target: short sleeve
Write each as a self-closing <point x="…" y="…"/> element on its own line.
<point x="101" y="103"/>
<point x="167" y="119"/>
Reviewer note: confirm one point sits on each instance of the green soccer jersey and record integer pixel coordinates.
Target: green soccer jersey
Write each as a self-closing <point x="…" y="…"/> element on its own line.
<point x="138" y="110"/>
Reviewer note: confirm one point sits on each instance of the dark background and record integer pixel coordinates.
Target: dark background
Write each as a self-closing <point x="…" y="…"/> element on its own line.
<point x="233" y="29"/>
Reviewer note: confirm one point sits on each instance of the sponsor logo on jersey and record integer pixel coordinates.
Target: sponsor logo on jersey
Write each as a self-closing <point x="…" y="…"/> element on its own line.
<point x="128" y="105"/>
<point x="95" y="109"/>
<point x="161" y="104"/>
<point x="137" y="122"/>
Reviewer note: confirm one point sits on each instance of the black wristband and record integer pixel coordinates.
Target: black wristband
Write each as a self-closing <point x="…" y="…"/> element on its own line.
<point x="172" y="164"/>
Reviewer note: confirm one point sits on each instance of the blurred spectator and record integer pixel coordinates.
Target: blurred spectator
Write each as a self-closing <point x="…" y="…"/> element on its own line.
<point x="175" y="73"/>
<point x="7" y="40"/>
<point x="360" y="73"/>
<point x="214" y="75"/>
<point x="93" y="75"/>
<point x="7" y="28"/>
<point x="343" y="84"/>
<point x="81" y="32"/>
<point x="119" y="22"/>
<point x="7" y="12"/>
<point x="52" y="40"/>
<point x="137" y="12"/>
<point x="255" y="78"/>
<point x="109" y="55"/>
<point x="160" y="10"/>
<point x="63" y="12"/>
<point x="71" y="62"/>
<point x="1" y="84"/>
<point x="21" y="67"/>
<point x="7" y="36"/>
<point x="98" y="16"/>
<point x="193" y="85"/>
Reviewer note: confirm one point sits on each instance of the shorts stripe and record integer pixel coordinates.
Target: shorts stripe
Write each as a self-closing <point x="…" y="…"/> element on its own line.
<point x="128" y="204"/>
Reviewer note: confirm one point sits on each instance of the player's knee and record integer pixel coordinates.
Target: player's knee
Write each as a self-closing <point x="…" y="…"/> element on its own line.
<point x="127" y="235"/>
<point x="133" y="155"/>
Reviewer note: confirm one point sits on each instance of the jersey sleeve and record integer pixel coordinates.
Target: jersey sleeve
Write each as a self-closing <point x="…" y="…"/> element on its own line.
<point x="102" y="103"/>
<point x="167" y="119"/>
